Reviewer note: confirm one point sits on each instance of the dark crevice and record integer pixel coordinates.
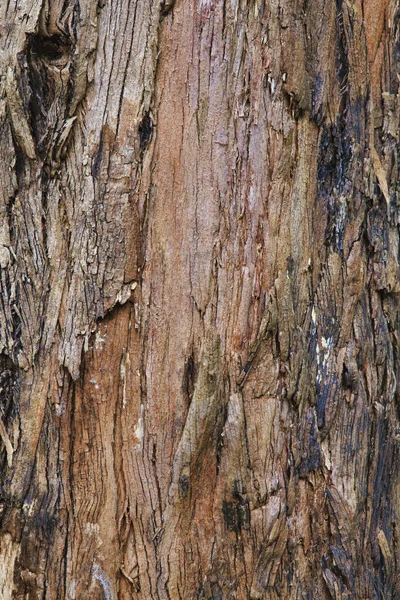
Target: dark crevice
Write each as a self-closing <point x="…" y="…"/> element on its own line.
<point x="189" y="378"/>
<point x="145" y="131"/>
<point x="45" y="191"/>
<point x="9" y="403"/>
<point x="236" y="512"/>
<point x="54" y="49"/>
<point x="166" y="7"/>
<point x="97" y="159"/>
<point x="45" y="57"/>
<point x="220" y="442"/>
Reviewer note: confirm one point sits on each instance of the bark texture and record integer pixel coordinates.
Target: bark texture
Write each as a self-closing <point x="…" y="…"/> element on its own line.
<point x="199" y="304"/>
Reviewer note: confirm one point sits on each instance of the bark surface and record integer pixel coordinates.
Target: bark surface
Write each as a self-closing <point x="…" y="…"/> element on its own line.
<point x="199" y="299"/>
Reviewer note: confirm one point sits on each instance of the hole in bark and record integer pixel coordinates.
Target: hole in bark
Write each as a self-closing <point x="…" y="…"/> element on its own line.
<point x="54" y="49"/>
<point x="19" y="162"/>
<point x="347" y="380"/>
<point x="45" y="57"/>
<point x="145" y="131"/>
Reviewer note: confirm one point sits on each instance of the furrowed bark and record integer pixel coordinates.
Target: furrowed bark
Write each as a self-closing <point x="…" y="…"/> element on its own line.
<point x="199" y="317"/>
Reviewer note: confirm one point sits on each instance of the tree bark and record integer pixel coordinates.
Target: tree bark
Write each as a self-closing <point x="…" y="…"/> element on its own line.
<point x="199" y="318"/>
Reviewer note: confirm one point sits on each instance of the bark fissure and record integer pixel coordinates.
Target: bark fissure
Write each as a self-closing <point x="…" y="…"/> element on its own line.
<point x="199" y="271"/>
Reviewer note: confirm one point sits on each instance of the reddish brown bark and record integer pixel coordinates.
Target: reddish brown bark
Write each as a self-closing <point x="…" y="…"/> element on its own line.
<point x="199" y="279"/>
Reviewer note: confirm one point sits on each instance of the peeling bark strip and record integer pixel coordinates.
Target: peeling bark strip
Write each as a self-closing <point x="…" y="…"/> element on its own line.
<point x="199" y="316"/>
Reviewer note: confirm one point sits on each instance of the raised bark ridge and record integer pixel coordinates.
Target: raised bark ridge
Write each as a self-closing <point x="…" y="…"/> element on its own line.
<point x="199" y="299"/>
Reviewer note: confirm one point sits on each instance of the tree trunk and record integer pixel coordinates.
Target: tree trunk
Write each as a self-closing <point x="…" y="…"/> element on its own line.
<point x="199" y="315"/>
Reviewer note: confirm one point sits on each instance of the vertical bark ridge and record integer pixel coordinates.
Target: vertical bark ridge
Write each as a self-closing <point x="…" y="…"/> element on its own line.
<point x="199" y="299"/>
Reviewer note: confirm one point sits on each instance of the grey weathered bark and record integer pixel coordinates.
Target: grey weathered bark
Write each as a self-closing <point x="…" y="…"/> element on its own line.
<point x="199" y="312"/>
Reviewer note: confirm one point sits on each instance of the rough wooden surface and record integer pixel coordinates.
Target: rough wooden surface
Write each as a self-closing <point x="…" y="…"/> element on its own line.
<point x="199" y="316"/>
